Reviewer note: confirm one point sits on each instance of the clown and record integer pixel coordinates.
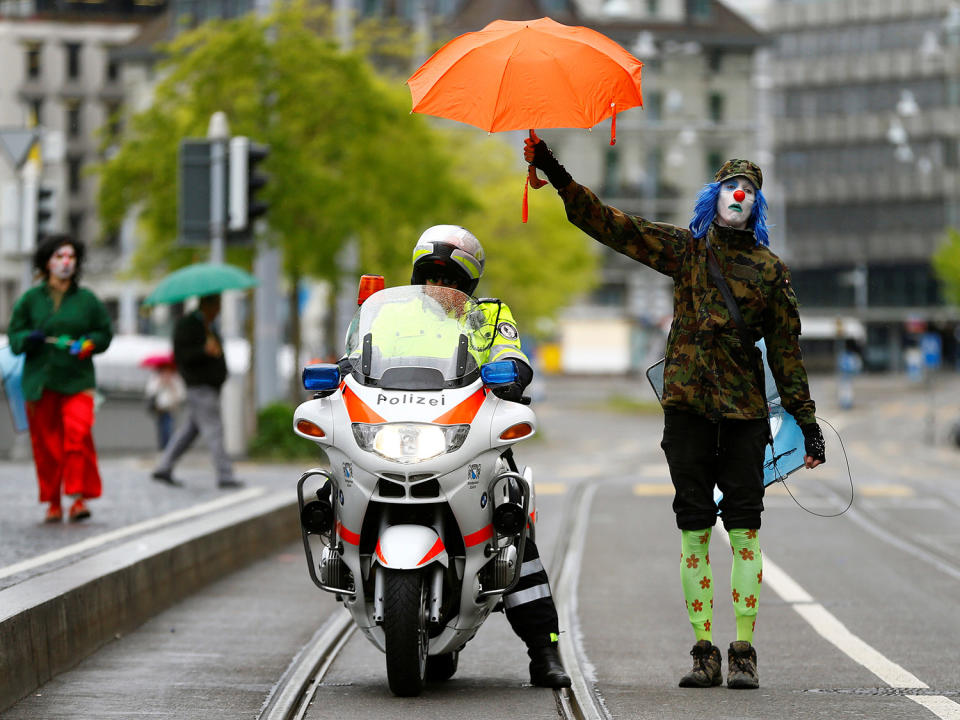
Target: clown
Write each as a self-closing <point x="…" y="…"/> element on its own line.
<point x="715" y="414"/>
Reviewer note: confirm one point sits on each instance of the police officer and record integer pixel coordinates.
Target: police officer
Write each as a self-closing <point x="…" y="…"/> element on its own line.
<point x="451" y="256"/>
<point x="715" y="415"/>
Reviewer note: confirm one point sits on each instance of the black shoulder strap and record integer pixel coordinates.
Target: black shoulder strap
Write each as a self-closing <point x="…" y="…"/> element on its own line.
<point x="717" y="275"/>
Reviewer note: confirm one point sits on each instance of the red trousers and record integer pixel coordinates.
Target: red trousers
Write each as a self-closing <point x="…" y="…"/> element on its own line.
<point x="61" y="432"/>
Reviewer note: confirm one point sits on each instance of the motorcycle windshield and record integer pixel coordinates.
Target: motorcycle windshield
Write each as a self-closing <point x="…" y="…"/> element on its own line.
<point x="418" y="337"/>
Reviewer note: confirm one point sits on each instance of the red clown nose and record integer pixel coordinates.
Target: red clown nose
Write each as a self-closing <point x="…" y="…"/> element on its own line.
<point x="739" y="195"/>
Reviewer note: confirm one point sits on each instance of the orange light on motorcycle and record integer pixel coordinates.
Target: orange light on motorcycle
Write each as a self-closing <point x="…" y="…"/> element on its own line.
<point x="369" y="284"/>
<point x="311" y="429"/>
<point x="515" y="432"/>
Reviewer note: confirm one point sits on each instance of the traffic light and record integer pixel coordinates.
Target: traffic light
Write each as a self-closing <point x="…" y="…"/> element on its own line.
<point x="193" y="191"/>
<point x="37" y="213"/>
<point x="46" y="204"/>
<point x="245" y="181"/>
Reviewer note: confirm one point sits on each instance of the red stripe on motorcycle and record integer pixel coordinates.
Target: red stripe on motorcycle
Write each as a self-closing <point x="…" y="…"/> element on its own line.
<point x="434" y="551"/>
<point x="479" y="536"/>
<point x="380" y="554"/>
<point x="347" y="535"/>
<point x="464" y="412"/>
<point x="358" y="410"/>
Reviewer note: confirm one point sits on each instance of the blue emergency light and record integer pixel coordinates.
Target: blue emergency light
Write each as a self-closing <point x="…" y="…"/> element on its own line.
<point x="499" y="372"/>
<point x="322" y="376"/>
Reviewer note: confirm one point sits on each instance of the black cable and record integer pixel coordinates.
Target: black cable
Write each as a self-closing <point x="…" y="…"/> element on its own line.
<point x="846" y="460"/>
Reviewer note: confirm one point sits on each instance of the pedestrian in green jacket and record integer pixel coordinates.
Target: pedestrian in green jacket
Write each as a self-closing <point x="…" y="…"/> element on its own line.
<point x="715" y="412"/>
<point x="59" y="326"/>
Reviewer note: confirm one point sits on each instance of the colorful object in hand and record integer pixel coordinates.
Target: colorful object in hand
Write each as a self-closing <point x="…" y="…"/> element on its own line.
<point x="82" y="348"/>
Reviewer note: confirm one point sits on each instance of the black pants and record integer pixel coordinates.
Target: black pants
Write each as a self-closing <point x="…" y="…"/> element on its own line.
<point x="529" y="606"/>
<point x="703" y="454"/>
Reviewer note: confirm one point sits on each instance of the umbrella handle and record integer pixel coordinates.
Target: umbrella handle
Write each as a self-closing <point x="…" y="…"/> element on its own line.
<point x="535" y="182"/>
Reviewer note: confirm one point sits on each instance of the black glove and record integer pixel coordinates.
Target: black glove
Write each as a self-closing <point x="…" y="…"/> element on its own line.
<point x="813" y="444"/>
<point x="512" y="391"/>
<point x="544" y="160"/>
<point x="36" y="337"/>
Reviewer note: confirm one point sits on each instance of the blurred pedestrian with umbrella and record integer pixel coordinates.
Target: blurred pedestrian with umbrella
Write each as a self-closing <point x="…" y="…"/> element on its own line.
<point x="165" y="393"/>
<point x="198" y="353"/>
<point x="730" y="290"/>
<point x="59" y="325"/>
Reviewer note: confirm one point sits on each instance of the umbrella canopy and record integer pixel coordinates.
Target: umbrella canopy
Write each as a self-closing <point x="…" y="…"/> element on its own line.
<point x="158" y="361"/>
<point x="516" y="75"/>
<point x="200" y="279"/>
<point x="528" y="74"/>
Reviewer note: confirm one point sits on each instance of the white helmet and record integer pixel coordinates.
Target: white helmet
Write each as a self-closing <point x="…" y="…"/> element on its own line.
<point x="450" y="254"/>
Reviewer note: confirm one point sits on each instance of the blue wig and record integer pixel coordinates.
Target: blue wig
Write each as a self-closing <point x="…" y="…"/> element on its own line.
<point x="705" y="211"/>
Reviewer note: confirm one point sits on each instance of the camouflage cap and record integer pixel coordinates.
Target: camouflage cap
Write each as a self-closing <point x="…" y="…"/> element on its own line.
<point x="734" y="167"/>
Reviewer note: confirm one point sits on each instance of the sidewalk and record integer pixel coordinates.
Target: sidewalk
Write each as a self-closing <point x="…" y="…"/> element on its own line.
<point x="130" y="497"/>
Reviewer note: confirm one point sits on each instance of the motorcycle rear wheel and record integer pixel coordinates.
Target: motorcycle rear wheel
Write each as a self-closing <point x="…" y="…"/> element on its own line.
<point x="405" y="617"/>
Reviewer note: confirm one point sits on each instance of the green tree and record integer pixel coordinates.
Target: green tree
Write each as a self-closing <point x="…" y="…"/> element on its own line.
<point x="347" y="160"/>
<point x="538" y="267"/>
<point x="946" y="264"/>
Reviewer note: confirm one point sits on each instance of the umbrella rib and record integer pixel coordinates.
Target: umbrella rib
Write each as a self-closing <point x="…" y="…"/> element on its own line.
<point x="503" y="72"/>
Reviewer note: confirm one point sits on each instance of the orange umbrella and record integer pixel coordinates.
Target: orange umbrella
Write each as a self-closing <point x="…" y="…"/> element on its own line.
<point x="516" y="75"/>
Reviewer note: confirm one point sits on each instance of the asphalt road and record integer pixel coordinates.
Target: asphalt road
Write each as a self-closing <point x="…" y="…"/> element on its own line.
<point x="857" y="617"/>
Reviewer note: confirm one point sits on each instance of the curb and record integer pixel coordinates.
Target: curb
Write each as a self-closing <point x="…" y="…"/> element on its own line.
<point x="51" y="622"/>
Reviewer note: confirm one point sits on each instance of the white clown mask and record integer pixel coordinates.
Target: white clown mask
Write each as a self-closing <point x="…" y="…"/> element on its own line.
<point x="63" y="262"/>
<point x="735" y="202"/>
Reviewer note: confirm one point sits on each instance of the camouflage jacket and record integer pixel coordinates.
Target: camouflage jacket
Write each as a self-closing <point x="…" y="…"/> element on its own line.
<point x="704" y="372"/>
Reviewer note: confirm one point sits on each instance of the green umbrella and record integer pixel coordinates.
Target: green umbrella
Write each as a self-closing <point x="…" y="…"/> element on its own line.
<point x="200" y="279"/>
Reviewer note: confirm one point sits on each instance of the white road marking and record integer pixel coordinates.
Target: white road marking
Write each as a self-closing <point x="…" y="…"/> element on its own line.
<point x="834" y="631"/>
<point x="98" y="540"/>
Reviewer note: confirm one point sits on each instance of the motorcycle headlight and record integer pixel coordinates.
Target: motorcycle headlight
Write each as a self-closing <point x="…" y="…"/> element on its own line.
<point x="409" y="442"/>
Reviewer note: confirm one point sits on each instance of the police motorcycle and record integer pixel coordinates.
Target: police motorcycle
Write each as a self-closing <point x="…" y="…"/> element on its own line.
<point x="428" y="513"/>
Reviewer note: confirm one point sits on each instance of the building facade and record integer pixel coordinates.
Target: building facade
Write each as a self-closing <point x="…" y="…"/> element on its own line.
<point x="60" y="77"/>
<point x="866" y="96"/>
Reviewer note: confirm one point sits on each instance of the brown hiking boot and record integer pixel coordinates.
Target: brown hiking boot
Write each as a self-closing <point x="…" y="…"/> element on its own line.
<point x="706" y="666"/>
<point x="742" y="666"/>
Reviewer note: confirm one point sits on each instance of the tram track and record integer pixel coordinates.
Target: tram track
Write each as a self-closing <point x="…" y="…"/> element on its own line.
<point x="293" y="694"/>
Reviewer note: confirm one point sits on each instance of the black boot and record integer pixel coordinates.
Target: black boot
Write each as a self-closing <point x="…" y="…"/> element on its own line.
<point x="546" y="669"/>
<point x="742" y="666"/>
<point x="706" y="666"/>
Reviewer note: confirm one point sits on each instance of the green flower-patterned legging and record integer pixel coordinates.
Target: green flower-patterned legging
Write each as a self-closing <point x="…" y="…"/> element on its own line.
<point x="746" y="577"/>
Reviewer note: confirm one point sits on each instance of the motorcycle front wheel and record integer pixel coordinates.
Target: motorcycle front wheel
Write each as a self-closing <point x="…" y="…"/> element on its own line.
<point x="405" y="619"/>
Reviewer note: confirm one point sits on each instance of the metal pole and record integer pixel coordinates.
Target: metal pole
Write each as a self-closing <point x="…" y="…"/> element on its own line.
<point x="219" y="132"/>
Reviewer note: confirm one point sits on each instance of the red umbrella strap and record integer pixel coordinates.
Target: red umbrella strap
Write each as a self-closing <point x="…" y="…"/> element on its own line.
<point x="613" y="125"/>
<point x="523" y="208"/>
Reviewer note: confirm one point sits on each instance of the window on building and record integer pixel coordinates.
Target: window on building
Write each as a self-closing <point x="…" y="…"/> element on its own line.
<point x="112" y="70"/>
<point x="371" y="7"/>
<point x="114" y="118"/>
<point x="653" y="7"/>
<point x="74" y="123"/>
<point x="35" y="106"/>
<point x="611" y="171"/>
<point x="75" y="223"/>
<point x="714" y="160"/>
<point x="715" y="60"/>
<point x="73" y="60"/>
<point x="34" y="61"/>
<point x="555" y="6"/>
<point x="715" y="107"/>
<point x="653" y="105"/>
<point x="699" y="9"/>
<point x="74" y="174"/>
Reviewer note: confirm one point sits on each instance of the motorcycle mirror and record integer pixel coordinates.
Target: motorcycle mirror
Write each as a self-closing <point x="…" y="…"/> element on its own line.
<point x="369" y="284"/>
<point x="322" y="376"/>
<point x="499" y="372"/>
